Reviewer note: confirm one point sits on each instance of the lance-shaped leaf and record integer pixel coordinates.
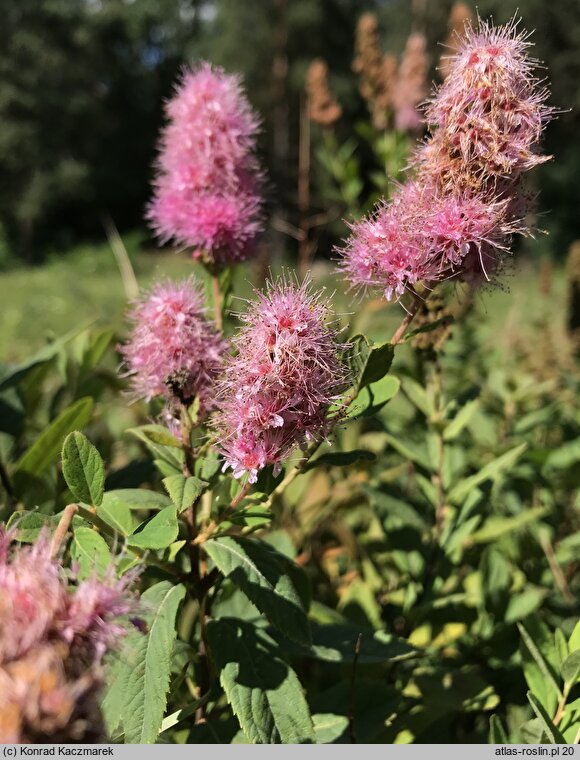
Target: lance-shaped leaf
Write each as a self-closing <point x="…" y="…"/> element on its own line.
<point x="264" y="692"/>
<point x="149" y="657"/>
<point x="45" y="450"/>
<point x="552" y="732"/>
<point x="491" y="471"/>
<point x="497" y="734"/>
<point x="83" y="469"/>
<point x="338" y="643"/>
<point x="267" y="578"/>
<point x="341" y="459"/>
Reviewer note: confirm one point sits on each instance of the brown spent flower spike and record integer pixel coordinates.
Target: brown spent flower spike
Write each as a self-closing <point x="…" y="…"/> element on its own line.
<point x="410" y="88"/>
<point x="323" y="108"/>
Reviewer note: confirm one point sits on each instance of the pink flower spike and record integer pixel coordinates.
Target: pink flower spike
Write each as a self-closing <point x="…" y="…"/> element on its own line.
<point x="32" y="596"/>
<point x="277" y="390"/>
<point x="208" y="192"/>
<point x="456" y="218"/>
<point x="173" y="351"/>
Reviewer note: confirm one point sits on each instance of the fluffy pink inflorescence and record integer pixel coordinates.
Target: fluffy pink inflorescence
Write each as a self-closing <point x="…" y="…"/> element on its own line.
<point x="278" y="388"/>
<point x="37" y="605"/>
<point x="490" y="111"/>
<point x="457" y="217"/>
<point x="208" y="192"/>
<point x="53" y="635"/>
<point x="422" y="235"/>
<point x="31" y="597"/>
<point x="173" y="351"/>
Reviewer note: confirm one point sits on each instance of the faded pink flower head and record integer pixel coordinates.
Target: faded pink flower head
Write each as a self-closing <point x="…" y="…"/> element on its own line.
<point x="53" y="635"/>
<point x="457" y="216"/>
<point x="208" y="192"/>
<point x="37" y="604"/>
<point x="490" y="111"/>
<point x="32" y="596"/>
<point x="277" y="389"/>
<point x="173" y="351"/>
<point x="95" y="610"/>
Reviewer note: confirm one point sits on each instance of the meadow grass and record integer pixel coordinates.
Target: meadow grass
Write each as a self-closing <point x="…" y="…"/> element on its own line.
<point x="84" y="287"/>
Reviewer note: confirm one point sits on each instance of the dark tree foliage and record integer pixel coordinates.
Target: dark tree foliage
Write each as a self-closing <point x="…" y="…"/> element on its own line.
<point x="82" y="86"/>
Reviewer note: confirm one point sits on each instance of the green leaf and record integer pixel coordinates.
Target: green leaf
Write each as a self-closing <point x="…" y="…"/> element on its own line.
<point x="574" y="640"/>
<point x="412" y="454"/>
<point x="368" y="363"/>
<point x="564" y="457"/>
<point x="537" y="641"/>
<point x="117" y="672"/>
<point x="341" y="459"/>
<point x="150" y="663"/>
<point x="497" y="734"/>
<point x="418" y="396"/>
<point x="116" y="513"/>
<point x="156" y="434"/>
<point x="158" y="532"/>
<point x="378" y="364"/>
<point x="184" y="491"/>
<point x="374" y="397"/>
<point x="29" y="524"/>
<point x="137" y="498"/>
<point x="83" y="469"/>
<point x="524" y="603"/>
<point x="264" y="692"/>
<point x="329" y="727"/>
<point x="181" y="714"/>
<point x="532" y="731"/>
<point x="429" y="327"/>
<point x="46" y="354"/>
<point x="45" y="450"/>
<point x="165" y="449"/>
<point x="551" y="731"/>
<point x="98" y="344"/>
<point x="491" y="471"/>
<point x="267" y="578"/>
<point x="571" y="668"/>
<point x="337" y="643"/>
<point x="91" y="552"/>
<point x="461" y="420"/>
<point x="388" y="507"/>
<point x="497" y="526"/>
<point x="561" y="645"/>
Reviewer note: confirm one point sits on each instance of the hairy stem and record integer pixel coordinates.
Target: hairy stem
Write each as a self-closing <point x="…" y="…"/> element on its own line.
<point x="409" y="317"/>
<point x="212" y="527"/>
<point x="61" y="529"/>
<point x="217" y="302"/>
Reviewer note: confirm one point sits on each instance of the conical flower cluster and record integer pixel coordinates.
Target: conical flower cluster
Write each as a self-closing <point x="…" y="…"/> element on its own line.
<point x="278" y="388"/>
<point x="173" y="351"/>
<point x="208" y="192"/>
<point x="457" y="217"/>
<point x="53" y="636"/>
